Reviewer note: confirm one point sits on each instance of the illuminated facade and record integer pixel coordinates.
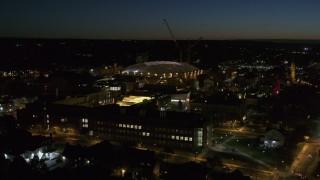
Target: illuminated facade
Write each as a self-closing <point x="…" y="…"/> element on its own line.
<point x="163" y="72"/>
<point x="152" y="127"/>
<point x="293" y="72"/>
<point x="130" y="124"/>
<point x="131" y="100"/>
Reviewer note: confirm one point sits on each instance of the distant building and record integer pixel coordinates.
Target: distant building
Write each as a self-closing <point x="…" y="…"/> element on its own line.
<point x="293" y="72"/>
<point x="207" y="84"/>
<point x="142" y="57"/>
<point x="220" y="108"/>
<point x="273" y="139"/>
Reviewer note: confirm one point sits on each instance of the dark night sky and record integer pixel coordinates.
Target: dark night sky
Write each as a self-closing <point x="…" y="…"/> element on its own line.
<point x="142" y="19"/>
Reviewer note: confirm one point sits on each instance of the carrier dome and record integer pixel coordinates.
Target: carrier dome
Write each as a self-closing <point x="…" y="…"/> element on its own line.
<point x="159" y="67"/>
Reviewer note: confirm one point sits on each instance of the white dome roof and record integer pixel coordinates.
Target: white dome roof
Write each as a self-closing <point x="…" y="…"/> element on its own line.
<point x="159" y="67"/>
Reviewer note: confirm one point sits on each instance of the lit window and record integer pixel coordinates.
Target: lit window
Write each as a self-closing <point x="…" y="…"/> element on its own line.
<point x="186" y="138"/>
<point x="148" y="134"/>
<point x="143" y="134"/>
<point x="190" y="138"/>
<point x="181" y="137"/>
<point x="139" y="127"/>
<point x="124" y="125"/>
<point x="85" y="120"/>
<point x="199" y="141"/>
<point x="91" y="133"/>
<point x="173" y="137"/>
<point x="131" y="126"/>
<point x="135" y="126"/>
<point x="177" y="137"/>
<point x="120" y="125"/>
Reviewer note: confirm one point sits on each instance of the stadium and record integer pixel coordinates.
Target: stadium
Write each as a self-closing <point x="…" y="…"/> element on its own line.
<point x="163" y="72"/>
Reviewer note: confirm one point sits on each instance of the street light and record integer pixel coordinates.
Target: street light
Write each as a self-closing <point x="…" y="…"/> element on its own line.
<point x="123" y="171"/>
<point x="285" y="169"/>
<point x="63" y="158"/>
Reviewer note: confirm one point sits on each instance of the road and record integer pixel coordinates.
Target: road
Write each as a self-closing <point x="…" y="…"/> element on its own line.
<point x="304" y="164"/>
<point x="307" y="160"/>
<point x="238" y="132"/>
<point x="253" y="169"/>
<point x="178" y="157"/>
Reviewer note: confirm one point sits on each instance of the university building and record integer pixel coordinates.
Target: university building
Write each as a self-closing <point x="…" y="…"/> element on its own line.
<point x="141" y="124"/>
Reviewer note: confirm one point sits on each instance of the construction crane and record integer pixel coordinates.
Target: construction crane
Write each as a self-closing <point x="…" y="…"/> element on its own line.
<point x="174" y="39"/>
<point x="178" y="46"/>
<point x="190" y="47"/>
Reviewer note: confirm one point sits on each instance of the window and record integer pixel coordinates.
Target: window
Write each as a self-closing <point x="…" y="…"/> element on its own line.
<point x="173" y="137"/>
<point x="122" y="110"/>
<point x="190" y="138"/>
<point x="142" y="112"/>
<point x="85" y="122"/>
<point x="139" y="127"/>
<point x="115" y="88"/>
<point x="162" y="114"/>
<point x="200" y="134"/>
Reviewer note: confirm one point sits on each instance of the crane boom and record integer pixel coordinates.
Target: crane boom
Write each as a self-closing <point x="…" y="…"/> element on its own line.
<point x="173" y="38"/>
<point x="196" y="42"/>
<point x="190" y="47"/>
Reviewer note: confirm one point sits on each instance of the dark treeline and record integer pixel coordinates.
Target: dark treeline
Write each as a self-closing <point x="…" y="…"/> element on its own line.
<point x="48" y="53"/>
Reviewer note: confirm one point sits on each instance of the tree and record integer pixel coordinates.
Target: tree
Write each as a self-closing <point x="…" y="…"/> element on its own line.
<point x="299" y="133"/>
<point x="214" y="161"/>
<point x="19" y="168"/>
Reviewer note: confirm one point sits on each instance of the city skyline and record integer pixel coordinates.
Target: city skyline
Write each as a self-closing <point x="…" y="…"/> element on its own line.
<point x="143" y="20"/>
